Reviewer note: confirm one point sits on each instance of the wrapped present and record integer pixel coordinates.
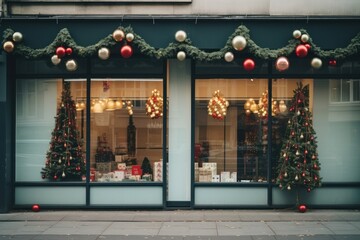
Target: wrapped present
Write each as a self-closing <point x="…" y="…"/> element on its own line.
<point x="225" y="176"/>
<point x="205" y="175"/>
<point x="104" y="167"/>
<point x="121" y="158"/>
<point x="136" y="170"/>
<point x="211" y="166"/>
<point x="233" y="177"/>
<point x="158" y="171"/>
<point x="119" y="175"/>
<point x="146" y="177"/>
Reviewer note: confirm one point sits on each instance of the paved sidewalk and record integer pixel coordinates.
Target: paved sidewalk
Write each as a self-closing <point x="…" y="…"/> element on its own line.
<point x="181" y="225"/>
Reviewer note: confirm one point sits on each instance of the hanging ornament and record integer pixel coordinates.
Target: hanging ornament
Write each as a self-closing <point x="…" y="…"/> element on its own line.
<point x="282" y="64"/>
<point x="217" y="106"/>
<point x="282" y="106"/>
<point x="129" y="107"/>
<point x="35" y="208"/>
<point x="301" y="51"/>
<point x="302" y="208"/>
<point x="304" y="38"/>
<point x="126" y="51"/>
<point x="289" y="187"/>
<point x="180" y="36"/>
<point x="229" y="56"/>
<point x="71" y="65"/>
<point x="249" y="64"/>
<point x="154" y="105"/>
<point x="55" y="59"/>
<point x="296" y="178"/>
<point x="60" y="52"/>
<point x="316" y="63"/>
<point x="297" y="34"/>
<point x="332" y="62"/>
<point x="103" y="53"/>
<point x="118" y="104"/>
<point x="130" y="37"/>
<point x="8" y="46"/>
<point x="17" y="37"/>
<point x="68" y="51"/>
<point x="239" y="43"/>
<point x="307" y="46"/>
<point x="63" y="175"/>
<point x="118" y="35"/>
<point x="181" y="55"/>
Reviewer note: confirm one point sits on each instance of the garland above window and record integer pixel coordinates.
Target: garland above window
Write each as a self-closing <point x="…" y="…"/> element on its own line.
<point x="65" y="49"/>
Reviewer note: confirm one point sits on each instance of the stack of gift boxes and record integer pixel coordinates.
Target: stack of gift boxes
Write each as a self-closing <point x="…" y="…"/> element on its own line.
<point x="208" y="173"/>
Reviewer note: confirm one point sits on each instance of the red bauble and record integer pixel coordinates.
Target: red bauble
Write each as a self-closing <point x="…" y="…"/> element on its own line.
<point x="69" y="51"/>
<point x="307" y="46"/>
<point x="301" y="51"/>
<point x="332" y="62"/>
<point x="60" y="52"/>
<point x="35" y="208"/>
<point x="126" y="51"/>
<point x="302" y="208"/>
<point x="249" y="64"/>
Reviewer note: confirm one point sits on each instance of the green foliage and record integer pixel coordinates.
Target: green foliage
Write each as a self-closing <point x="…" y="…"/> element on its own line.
<point x="299" y="163"/>
<point x="64" y="159"/>
<point x="252" y="49"/>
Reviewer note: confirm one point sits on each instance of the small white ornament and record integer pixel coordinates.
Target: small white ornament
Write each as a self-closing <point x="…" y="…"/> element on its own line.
<point x="118" y="35"/>
<point x="8" y="46"/>
<point x="130" y="37"/>
<point x="289" y="188"/>
<point x="229" y="56"/>
<point x="316" y="63"/>
<point x="55" y="59"/>
<point x="180" y="36"/>
<point x="297" y="34"/>
<point x="71" y="65"/>
<point x="296" y="178"/>
<point x="239" y="43"/>
<point x="282" y="64"/>
<point x="304" y="38"/>
<point x="181" y="55"/>
<point x="17" y="37"/>
<point x="104" y="53"/>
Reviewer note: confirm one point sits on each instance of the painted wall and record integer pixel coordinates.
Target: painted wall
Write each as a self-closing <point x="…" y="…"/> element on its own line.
<point x="194" y="7"/>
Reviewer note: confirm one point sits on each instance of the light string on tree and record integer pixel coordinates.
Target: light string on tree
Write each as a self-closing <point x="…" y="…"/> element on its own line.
<point x="217" y="106"/>
<point x="238" y="45"/>
<point x="154" y="105"/>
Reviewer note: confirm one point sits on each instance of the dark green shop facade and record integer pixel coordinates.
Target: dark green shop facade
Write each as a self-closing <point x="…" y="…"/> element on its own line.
<point x="182" y="152"/>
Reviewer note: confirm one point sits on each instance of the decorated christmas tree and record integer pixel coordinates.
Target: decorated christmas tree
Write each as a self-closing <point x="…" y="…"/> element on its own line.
<point x="64" y="159"/>
<point x="299" y="164"/>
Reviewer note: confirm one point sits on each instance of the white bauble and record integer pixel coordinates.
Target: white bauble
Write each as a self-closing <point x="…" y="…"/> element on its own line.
<point x="304" y="38"/>
<point x="104" y="53"/>
<point x="316" y="63"/>
<point x="17" y="37"/>
<point x="8" y="46"/>
<point x="229" y="56"/>
<point x="71" y="65"/>
<point x="130" y="37"/>
<point x="282" y="64"/>
<point x="181" y="55"/>
<point x="118" y="35"/>
<point x="180" y="36"/>
<point x="55" y="59"/>
<point x="239" y="43"/>
<point x="297" y="34"/>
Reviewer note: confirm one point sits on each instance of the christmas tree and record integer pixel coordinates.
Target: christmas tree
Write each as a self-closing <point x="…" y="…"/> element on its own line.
<point x="64" y="159"/>
<point x="299" y="164"/>
<point x="146" y="166"/>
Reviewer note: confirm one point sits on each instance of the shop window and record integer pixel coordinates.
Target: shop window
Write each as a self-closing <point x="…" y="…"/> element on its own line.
<point x="126" y="130"/>
<point x="231" y="146"/>
<point x="344" y="90"/>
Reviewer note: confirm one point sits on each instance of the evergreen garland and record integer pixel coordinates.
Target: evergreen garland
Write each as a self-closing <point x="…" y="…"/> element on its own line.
<point x="252" y="49"/>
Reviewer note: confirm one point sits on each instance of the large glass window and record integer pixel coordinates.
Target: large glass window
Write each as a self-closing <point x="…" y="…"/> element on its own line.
<point x="126" y="130"/>
<point x="230" y="146"/>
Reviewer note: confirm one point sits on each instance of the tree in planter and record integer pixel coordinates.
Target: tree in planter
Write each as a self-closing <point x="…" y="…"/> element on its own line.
<point x="299" y="163"/>
<point x="64" y="159"/>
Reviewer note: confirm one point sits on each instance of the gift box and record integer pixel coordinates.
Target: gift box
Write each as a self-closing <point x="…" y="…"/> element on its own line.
<point x="211" y="166"/>
<point x="104" y="167"/>
<point x="158" y="171"/>
<point x="215" y="178"/>
<point x="233" y="177"/>
<point x="136" y="170"/>
<point x="121" y="166"/>
<point x="225" y="176"/>
<point x="147" y="177"/>
<point x="119" y="175"/>
<point x="205" y="175"/>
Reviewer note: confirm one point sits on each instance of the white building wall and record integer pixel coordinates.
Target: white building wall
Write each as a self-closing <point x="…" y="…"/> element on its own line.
<point x="187" y="7"/>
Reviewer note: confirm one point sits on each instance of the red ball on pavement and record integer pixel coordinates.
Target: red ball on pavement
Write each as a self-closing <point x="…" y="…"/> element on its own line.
<point x="301" y="51"/>
<point x="60" y="52"/>
<point x="249" y="64"/>
<point x="126" y="51"/>
<point x="35" y="208"/>
<point x="302" y="208"/>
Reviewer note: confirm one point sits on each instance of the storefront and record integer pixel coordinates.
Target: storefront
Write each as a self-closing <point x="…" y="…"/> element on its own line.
<point x="131" y="117"/>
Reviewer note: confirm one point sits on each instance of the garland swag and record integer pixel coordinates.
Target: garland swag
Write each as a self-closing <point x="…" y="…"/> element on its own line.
<point x="64" y="38"/>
